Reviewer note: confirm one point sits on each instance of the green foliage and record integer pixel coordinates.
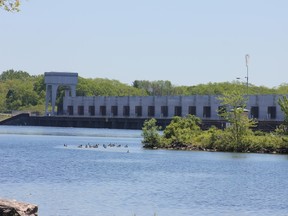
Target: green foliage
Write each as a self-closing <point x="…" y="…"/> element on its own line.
<point x="20" y="94"/>
<point x="11" y="75"/>
<point x="3" y="92"/>
<point x="166" y="88"/>
<point x="17" y="91"/>
<point x="234" y="112"/>
<point x="233" y="99"/>
<point x="283" y="103"/>
<point x="39" y="86"/>
<point x="4" y="116"/>
<point x="216" y="140"/>
<point x="267" y="143"/>
<point x="282" y="89"/>
<point x="281" y="130"/>
<point x="181" y="130"/>
<point x="10" y="5"/>
<point x="150" y="133"/>
<point x="159" y="87"/>
<point x="38" y="109"/>
<point x="105" y="87"/>
<point x="212" y="139"/>
<point x="179" y="133"/>
<point x="260" y="142"/>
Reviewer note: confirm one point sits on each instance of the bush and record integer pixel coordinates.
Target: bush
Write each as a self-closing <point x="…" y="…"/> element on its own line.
<point x="184" y="133"/>
<point x="181" y="131"/>
<point x="150" y="134"/>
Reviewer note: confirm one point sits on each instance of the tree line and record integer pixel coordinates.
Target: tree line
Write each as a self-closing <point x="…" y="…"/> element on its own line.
<point x="24" y="92"/>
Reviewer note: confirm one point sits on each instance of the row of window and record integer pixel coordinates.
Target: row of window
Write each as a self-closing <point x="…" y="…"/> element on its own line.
<point x="254" y="112"/>
<point x="271" y="111"/>
<point x="138" y="111"/>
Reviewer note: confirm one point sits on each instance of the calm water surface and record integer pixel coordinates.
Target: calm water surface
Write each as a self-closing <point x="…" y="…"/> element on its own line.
<point x="36" y="167"/>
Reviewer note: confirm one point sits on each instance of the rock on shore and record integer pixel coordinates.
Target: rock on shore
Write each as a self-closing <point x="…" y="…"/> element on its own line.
<point x="15" y="208"/>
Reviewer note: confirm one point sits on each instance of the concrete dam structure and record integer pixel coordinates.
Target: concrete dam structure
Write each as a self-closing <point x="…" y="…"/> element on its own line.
<point x="130" y="112"/>
<point x="260" y="107"/>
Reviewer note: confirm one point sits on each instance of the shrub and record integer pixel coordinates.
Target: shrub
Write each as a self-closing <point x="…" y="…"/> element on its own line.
<point x="150" y="133"/>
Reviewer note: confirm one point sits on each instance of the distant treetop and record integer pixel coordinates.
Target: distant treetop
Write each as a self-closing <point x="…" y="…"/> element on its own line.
<point x="10" y="5"/>
<point x="11" y="74"/>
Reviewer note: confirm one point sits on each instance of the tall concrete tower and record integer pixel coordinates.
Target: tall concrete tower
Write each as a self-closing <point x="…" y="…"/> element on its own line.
<point x="55" y="79"/>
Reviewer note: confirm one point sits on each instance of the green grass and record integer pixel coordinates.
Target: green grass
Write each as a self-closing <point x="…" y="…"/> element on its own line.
<point x="4" y="116"/>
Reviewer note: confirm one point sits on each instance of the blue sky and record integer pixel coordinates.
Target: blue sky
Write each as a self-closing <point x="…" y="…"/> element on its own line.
<point x="186" y="41"/>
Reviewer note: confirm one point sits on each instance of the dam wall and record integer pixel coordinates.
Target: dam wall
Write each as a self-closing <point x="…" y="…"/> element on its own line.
<point x="114" y="123"/>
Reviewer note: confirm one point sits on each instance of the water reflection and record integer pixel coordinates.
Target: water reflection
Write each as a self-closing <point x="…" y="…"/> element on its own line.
<point x="60" y="131"/>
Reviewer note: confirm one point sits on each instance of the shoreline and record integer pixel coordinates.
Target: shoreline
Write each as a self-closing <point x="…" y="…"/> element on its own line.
<point x="282" y="151"/>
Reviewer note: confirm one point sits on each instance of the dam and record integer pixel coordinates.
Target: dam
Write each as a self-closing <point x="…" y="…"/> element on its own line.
<point x="130" y="112"/>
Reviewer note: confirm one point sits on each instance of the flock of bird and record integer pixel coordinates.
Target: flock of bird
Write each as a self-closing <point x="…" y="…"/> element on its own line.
<point x="111" y="145"/>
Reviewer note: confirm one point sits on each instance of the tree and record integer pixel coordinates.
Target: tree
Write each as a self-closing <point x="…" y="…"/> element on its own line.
<point x="283" y="103"/>
<point x="3" y="92"/>
<point x="150" y="133"/>
<point x="159" y="87"/>
<point x="105" y="87"/>
<point x="40" y="88"/>
<point x="11" y="74"/>
<point x="10" y="5"/>
<point x="233" y="110"/>
<point x="20" y="94"/>
<point x="282" y="89"/>
<point x="181" y="130"/>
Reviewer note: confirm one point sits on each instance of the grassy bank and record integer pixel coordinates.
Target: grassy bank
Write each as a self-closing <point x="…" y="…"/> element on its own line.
<point x="4" y="116"/>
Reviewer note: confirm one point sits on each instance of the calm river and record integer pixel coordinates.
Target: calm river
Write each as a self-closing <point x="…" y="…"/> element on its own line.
<point x="36" y="167"/>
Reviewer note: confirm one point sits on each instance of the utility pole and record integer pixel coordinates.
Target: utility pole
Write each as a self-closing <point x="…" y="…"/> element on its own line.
<point x="247" y="57"/>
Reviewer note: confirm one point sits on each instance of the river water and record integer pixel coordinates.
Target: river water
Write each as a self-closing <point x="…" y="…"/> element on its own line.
<point x="36" y="167"/>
